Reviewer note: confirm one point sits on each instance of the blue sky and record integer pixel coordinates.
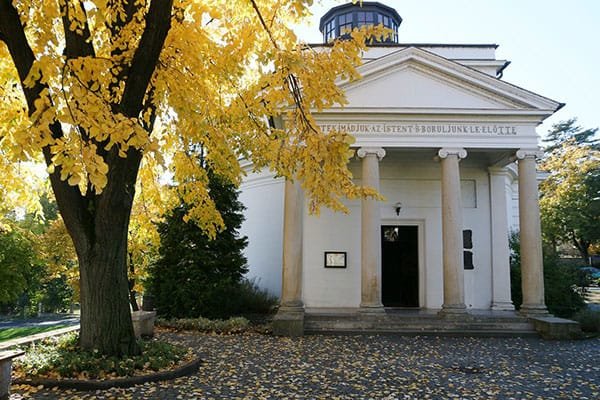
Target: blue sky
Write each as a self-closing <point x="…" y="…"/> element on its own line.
<point x="553" y="46"/>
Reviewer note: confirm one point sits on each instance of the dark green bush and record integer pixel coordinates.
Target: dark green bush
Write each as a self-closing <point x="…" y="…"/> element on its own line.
<point x="56" y="295"/>
<point x="563" y="293"/>
<point x="231" y="325"/>
<point x="251" y="299"/>
<point x="589" y="320"/>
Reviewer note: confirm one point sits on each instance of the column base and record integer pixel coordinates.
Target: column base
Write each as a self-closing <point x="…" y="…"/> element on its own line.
<point x="293" y="305"/>
<point x="289" y="321"/>
<point x="503" y="306"/>
<point x="454" y="311"/>
<point x="371" y="309"/>
<point x="533" y="310"/>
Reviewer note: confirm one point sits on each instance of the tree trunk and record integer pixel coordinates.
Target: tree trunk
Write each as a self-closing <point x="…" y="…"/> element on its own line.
<point x="582" y="246"/>
<point x="100" y="240"/>
<point x="105" y="315"/>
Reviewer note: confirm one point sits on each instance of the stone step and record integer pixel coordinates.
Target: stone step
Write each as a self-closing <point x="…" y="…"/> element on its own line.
<point x="402" y="327"/>
<point x="415" y="332"/>
<point x="436" y="327"/>
<point x="422" y="325"/>
<point x="412" y="319"/>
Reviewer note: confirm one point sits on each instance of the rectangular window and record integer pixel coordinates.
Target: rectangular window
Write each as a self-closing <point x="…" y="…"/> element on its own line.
<point x="345" y="23"/>
<point x="330" y="31"/>
<point x="364" y="18"/>
<point x="468" y="248"/>
<point x="468" y="257"/>
<point x="468" y="239"/>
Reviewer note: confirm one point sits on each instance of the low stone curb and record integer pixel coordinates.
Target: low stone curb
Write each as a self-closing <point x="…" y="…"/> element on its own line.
<point x="93" y="384"/>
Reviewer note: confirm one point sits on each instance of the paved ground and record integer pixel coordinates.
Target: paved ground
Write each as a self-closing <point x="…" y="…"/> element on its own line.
<point x="373" y="367"/>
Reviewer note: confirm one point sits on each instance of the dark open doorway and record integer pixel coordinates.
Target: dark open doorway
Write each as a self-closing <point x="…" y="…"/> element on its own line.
<point x="400" y="266"/>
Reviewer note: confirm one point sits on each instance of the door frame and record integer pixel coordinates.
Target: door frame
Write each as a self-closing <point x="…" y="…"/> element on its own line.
<point x="420" y="224"/>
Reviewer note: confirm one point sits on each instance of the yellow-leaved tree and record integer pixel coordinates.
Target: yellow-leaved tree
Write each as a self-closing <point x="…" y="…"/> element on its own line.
<point x="110" y="94"/>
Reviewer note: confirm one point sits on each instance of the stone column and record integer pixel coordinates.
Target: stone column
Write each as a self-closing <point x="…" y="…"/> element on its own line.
<point x="532" y="268"/>
<point x="289" y="320"/>
<point x="501" y="300"/>
<point x="370" y="293"/>
<point x="452" y="227"/>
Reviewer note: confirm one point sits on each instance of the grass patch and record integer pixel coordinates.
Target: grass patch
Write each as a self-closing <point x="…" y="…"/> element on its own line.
<point x="15" y="333"/>
<point x="62" y="358"/>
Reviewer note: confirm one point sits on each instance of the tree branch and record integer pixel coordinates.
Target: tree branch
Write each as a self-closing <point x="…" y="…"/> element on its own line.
<point x="145" y="59"/>
<point x="76" y="44"/>
<point x="130" y="8"/>
<point x="264" y="25"/>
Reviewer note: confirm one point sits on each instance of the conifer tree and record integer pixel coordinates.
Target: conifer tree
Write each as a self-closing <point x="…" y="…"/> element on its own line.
<point x="196" y="275"/>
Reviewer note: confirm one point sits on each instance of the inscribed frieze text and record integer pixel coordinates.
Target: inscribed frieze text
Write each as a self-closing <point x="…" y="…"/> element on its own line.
<point x="421" y="129"/>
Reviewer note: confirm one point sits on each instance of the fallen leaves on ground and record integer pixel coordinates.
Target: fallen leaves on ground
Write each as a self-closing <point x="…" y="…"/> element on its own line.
<point x="254" y="366"/>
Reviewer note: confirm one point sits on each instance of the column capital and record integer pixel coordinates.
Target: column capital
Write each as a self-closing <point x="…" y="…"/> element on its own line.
<point x="522" y="154"/>
<point x="365" y="151"/>
<point x="448" y="151"/>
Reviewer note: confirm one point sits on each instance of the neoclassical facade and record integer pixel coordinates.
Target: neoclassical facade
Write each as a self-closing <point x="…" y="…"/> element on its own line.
<point x="452" y="148"/>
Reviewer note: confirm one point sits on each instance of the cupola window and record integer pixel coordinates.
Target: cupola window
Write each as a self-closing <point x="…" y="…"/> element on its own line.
<point x="338" y="22"/>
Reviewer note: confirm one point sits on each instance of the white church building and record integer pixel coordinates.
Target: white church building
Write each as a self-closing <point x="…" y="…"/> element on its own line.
<point x="452" y="148"/>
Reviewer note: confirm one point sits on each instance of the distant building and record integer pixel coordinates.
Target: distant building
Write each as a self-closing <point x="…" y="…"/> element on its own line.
<point x="438" y="132"/>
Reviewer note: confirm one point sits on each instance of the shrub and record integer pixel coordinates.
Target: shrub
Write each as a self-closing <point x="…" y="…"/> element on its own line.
<point x="61" y="357"/>
<point x="589" y="320"/>
<point x="252" y="299"/>
<point x="231" y="325"/>
<point x="563" y="295"/>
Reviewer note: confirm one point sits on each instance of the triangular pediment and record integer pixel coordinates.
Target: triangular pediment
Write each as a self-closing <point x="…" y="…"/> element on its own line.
<point x="413" y="78"/>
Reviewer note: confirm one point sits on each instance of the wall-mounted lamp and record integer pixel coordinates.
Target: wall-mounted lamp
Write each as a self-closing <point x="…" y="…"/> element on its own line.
<point x="398" y="207"/>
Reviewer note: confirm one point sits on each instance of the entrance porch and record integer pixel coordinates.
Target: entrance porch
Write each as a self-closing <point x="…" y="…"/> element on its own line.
<point x="411" y="250"/>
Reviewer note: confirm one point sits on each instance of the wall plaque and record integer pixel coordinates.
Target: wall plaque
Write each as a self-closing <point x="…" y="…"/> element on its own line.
<point x="335" y="259"/>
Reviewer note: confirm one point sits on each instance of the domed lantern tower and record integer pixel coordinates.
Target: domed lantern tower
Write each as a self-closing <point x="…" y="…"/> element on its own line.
<point x="341" y="20"/>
